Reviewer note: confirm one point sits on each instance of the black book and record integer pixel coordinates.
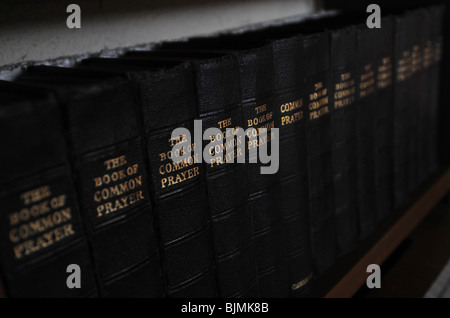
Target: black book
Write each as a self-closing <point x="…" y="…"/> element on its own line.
<point x="316" y="134"/>
<point x="343" y="126"/>
<point x="290" y="99"/>
<point x="290" y="192"/>
<point x="384" y="113"/>
<point x="256" y="84"/>
<point x="318" y="141"/>
<point x="179" y="193"/>
<point x="41" y="226"/>
<point x="403" y="104"/>
<point x="365" y="129"/>
<point x="437" y="18"/>
<point x="218" y="92"/>
<point x="414" y="97"/>
<point x="111" y="176"/>
<point x="256" y="70"/>
<point x="423" y="59"/>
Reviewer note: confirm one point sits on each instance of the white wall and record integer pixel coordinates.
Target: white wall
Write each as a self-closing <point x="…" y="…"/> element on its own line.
<point x="36" y="29"/>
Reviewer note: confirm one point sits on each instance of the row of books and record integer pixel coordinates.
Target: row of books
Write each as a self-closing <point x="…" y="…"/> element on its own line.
<point x="87" y="176"/>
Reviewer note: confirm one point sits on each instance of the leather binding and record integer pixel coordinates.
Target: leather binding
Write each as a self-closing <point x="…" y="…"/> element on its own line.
<point x="415" y="123"/>
<point x="318" y="141"/>
<point x="258" y="108"/>
<point x="256" y="86"/>
<point x="290" y="99"/>
<point x="437" y="18"/>
<point x="423" y="63"/>
<point x="41" y="229"/>
<point x="384" y="117"/>
<point x="402" y="106"/>
<point x="279" y="203"/>
<point x="111" y="176"/>
<point x="218" y="91"/>
<point x="365" y="129"/>
<point x="178" y="190"/>
<point x="219" y="99"/>
<point x="342" y="104"/>
<point x="318" y="186"/>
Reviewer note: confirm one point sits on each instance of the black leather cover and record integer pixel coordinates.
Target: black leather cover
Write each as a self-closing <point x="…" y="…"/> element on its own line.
<point x="219" y="98"/>
<point x="258" y="108"/>
<point x="318" y="140"/>
<point x="415" y="27"/>
<point x="111" y="174"/>
<point x="343" y="127"/>
<point x="41" y="229"/>
<point x="182" y="204"/>
<point x="384" y="117"/>
<point x="290" y="98"/>
<point x="438" y="14"/>
<point x="178" y="190"/>
<point x="365" y="129"/>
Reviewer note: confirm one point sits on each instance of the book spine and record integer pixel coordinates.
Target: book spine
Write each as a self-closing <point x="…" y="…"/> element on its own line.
<point x="365" y="130"/>
<point x="403" y="73"/>
<point x="384" y="119"/>
<point x="179" y="189"/>
<point x="438" y="14"/>
<point x="108" y="154"/>
<point x="219" y="106"/>
<point x="343" y="127"/>
<point x="415" y="127"/>
<point x="318" y="141"/>
<point x="256" y="70"/>
<point x="42" y="232"/>
<point x="423" y="94"/>
<point x="290" y="119"/>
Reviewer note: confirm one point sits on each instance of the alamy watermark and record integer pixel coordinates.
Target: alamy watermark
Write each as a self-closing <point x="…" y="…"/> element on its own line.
<point x="227" y="146"/>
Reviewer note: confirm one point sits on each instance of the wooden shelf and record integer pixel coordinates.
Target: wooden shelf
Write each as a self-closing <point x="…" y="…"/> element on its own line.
<point x="349" y="274"/>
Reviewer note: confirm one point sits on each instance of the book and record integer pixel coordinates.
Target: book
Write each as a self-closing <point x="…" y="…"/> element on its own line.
<point x="294" y="269"/>
<point x="384" y="123"/>
<point x="290" y="100"/>
<point x="110" y="175"/>
<point x="218" y="91"/>
<point x="438" y="14"/>
<point x="178" y="190"/>
<point x="365" y="129"/>
<point x="423" y="59"/>
<point x="41" y="226"/>
<point x="342" y="103"/>
<point x="318" y="141"/>
<point x="415" y="123"/>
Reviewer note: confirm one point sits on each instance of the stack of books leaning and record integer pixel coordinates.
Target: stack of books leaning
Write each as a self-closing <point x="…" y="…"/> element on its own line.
<point x="88" y="174"/>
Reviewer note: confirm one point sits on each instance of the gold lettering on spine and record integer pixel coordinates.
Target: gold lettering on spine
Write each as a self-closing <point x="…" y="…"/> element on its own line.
<point x="171" y="173"/>
<point x="291" y="112"/>
<point x="437" y="54"/>
<point x="263" y="118"/>
<point x="367" y="81"/>
<point x="416" y="59"/>
<point x="117" y="189"/>
<point x="318" y="101"/>
<point x="344" y="91"/>
<point x="404" y="66"/>
<point x="41" y="222"/>
<point x="427" y="55"/>
<point x="384" y="77"/>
